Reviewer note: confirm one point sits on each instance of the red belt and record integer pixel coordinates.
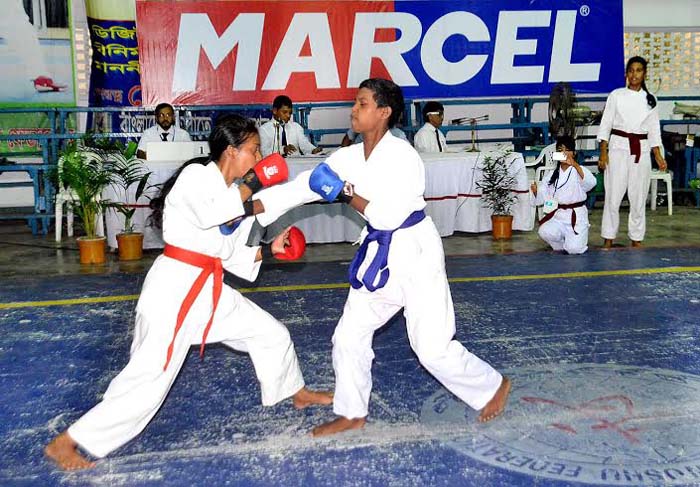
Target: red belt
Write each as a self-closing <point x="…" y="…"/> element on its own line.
<point x="209" y="265"/>
<point x="571" y="206"/>
<point x="635" y="142"/>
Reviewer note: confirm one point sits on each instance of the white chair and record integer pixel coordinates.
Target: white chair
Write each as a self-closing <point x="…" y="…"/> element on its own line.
<point x="667" y="177"/>
<point x="539" y="175"/>
<point x="546" y="156"/>
<point x="67" y="196"/>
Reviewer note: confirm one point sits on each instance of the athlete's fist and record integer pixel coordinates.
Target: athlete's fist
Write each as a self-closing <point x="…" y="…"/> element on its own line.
<point x="269" y="171"/>
<point x="327" y="184"/>
<point x="289" y="245"/>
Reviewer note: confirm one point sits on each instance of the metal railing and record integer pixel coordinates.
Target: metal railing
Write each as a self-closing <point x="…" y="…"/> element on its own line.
<point x="198" y="120"/>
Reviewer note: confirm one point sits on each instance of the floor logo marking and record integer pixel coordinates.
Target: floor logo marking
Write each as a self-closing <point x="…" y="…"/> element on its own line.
<point x="590" y="423"/>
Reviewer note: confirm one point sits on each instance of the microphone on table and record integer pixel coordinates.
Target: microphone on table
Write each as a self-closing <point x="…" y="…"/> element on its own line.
<point x="472" y="120"/>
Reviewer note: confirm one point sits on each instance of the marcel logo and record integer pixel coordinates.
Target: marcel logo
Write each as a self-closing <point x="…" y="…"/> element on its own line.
<point x="270" y="171"/>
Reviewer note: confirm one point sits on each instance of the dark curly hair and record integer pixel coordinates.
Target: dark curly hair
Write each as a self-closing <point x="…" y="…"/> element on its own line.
<point x="386" y="94"/>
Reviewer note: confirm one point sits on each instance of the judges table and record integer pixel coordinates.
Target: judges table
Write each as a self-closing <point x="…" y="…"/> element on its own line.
<point x="453" y="201"/>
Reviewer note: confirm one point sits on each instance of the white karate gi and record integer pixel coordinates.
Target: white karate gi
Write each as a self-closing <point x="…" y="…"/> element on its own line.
<point x="393" y="181"/>
<point x="271" y="138"/>
<point x="569" y="189"/>
<point x="154" y="134"/>
<point x="426" y="141"/>
<point x="194" y="208"/>
<point x="627" y="110"/>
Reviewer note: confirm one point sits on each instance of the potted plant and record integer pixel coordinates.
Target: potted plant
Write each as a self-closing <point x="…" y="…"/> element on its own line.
<point x="496" y="187"/>
<point x="694" y="184"/>
<point x="127" y="170"/>
<point x="82" y="171"/>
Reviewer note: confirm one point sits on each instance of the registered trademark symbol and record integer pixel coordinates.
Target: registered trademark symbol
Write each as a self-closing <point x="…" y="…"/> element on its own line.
<point x="585" y="10"/>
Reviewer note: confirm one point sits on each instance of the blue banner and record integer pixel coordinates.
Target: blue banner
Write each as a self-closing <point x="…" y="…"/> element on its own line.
<point x="115" y="79"/>
<point x="515" y="47"/>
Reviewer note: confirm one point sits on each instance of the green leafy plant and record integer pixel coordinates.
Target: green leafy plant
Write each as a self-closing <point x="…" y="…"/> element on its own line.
<point x="497" y="182"/>
<point x="82" y="171"/>
<point x="127" y="170"/>
<point x="694" y="183"/>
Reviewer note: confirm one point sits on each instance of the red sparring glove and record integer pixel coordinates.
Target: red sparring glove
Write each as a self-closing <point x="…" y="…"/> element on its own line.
<point x="269" y="171"/>
<point x="296" y="247"/>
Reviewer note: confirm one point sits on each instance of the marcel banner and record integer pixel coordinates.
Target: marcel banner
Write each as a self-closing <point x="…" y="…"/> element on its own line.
<point x="228" y="51"/>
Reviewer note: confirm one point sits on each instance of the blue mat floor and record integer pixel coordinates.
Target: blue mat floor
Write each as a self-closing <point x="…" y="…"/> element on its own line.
<point x="603" y="349"/>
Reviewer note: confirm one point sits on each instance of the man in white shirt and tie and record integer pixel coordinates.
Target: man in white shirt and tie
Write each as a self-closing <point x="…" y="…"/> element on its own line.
<point x="164" y="130"/>
<point x="429" y="138"/>
<point x="282" y="134"/>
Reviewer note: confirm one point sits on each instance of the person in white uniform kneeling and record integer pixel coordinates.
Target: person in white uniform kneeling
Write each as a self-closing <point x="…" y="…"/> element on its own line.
<point x="562" y="193"/>
<point x="628" y="131"/>
<point x="206" y="221"/>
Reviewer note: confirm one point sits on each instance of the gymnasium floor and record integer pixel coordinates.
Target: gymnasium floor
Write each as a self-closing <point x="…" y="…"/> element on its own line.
<point x="603" y="350"/>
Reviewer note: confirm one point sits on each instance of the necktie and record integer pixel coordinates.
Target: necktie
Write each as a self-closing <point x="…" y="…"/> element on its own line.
<point x="437" y="136"/>
<point x="164" y="136"/>
<point x="284" y="137"/>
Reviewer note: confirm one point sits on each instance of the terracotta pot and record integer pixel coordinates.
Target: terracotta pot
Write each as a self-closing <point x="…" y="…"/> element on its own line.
<point x="92" y="250"/>
<point x="130" y="245"/>
<point x="502" y="226"/>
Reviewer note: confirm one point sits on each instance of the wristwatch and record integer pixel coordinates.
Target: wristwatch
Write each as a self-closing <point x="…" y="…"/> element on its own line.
<point x="347" y="193"/>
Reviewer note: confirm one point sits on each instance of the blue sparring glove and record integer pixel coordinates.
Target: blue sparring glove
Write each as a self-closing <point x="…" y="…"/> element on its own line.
<point x="230" y="227"/>
<point x="327" y="184"/>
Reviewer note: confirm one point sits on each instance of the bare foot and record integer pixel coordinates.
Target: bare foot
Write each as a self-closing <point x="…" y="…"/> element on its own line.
<point x="338" y="425"/>
<point x="636" y="243"/>
<point x="62" y="450"/>
<point x="305" y="398"/>
<point x="497" y="403"/>
<point x="607" y="243"/>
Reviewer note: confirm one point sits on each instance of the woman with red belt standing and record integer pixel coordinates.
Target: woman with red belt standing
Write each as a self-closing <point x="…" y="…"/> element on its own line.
<point x="629" y="130"/>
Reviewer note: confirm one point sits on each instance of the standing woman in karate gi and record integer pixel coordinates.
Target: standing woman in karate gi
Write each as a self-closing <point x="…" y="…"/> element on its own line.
<point x="629" y="130"/>
<point x="562" y="192"/>
<point x="197" y="202"/>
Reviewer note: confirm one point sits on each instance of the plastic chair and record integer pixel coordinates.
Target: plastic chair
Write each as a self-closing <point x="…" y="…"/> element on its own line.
<point x="546" y="156"/>
<point x="66" y="196"/>
<point x="667" y="177"/>
<point x="539" y="175"/>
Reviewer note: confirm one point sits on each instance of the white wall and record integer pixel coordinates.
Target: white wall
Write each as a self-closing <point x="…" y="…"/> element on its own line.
<point x="661" y="14"/>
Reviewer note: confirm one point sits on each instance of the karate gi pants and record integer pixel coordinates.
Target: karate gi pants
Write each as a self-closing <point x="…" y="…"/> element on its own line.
<point x="623" y="175"/>
<point x="419" y="286"/>
<point x="559" y="234"/>
<point x="135" y="395"/>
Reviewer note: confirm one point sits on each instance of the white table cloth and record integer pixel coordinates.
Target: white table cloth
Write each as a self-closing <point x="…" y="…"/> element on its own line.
<point x="453" y="201"/>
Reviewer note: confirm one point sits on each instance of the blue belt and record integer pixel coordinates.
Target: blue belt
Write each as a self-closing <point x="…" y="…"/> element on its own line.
<point x="380" y="261"/>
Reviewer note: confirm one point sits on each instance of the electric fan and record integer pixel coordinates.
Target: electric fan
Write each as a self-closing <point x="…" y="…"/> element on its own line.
<point x="565" y="114"/>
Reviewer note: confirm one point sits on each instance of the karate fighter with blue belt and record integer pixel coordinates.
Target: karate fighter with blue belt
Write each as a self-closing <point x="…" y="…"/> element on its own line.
<point x="400" y="264"/>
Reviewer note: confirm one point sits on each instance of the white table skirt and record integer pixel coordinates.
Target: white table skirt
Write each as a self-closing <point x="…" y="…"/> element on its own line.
<point x="453" y="202"/>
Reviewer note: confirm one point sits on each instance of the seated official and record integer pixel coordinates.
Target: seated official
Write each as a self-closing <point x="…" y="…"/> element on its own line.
<point x="430" y="138"/>
<point x="562" y="194"/>
<point x="282" y="134"/>
<point x="164" y="130"/>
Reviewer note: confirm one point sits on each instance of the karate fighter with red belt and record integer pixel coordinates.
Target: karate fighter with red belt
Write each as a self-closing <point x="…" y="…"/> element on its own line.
<point x="206" y="221"/>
